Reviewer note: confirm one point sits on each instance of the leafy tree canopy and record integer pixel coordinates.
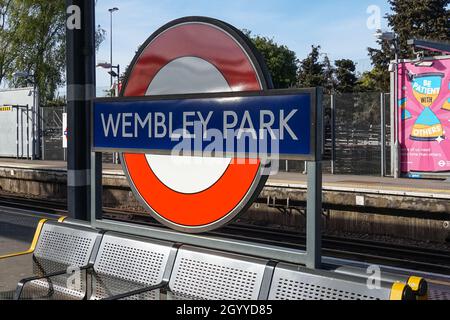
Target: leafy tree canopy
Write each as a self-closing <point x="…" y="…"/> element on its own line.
<point x="315" y="71"/>
<point x="424" y="19"/>
<point x="32" y="38"/>
<point x="281" y="61"/>
<point x="346" y="79"/>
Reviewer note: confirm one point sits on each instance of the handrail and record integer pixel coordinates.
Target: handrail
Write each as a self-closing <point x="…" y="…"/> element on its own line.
<point x="33" y="243"/>
<point x="23" y="282"/>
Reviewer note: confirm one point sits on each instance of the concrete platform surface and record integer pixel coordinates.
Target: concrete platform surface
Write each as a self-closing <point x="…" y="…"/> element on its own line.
<point x="351" y="183"/>
<point x="17" y="229"/>
<point x="16" y="235"/>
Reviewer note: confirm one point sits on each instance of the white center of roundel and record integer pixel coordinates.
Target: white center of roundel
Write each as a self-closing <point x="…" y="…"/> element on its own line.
<point x="188" y="175"/>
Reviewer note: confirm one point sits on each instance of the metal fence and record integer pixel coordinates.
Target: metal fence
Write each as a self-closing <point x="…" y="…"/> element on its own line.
<point x="52" y="135"/>
<point x="353" y="135"/>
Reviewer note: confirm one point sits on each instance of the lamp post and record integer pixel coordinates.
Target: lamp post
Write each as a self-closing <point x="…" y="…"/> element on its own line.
<point x="111" y="11"/>
<point x="113" y="74"/>
<point x="392" y="39"/>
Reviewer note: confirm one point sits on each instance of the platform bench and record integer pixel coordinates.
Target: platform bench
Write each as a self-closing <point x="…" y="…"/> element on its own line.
<point x="59" y="249"/>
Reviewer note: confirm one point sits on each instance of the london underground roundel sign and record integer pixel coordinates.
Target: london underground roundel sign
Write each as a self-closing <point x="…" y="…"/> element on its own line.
<point x="194" y="55"/>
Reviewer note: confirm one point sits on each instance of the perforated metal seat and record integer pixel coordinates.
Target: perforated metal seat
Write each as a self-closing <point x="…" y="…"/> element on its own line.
<point x="214" y="275"/>
<point x="60" y="249"/>
<point x="292" y="282"/>
<point x="203" y="274"/>
<point x="124" y="264"/>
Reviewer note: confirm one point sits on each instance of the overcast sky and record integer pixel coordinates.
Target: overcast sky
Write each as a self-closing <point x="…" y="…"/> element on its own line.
<point x="339" y="26"/>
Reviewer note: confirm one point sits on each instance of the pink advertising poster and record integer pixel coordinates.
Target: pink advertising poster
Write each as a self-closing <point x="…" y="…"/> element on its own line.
<point x="424" y="124"/>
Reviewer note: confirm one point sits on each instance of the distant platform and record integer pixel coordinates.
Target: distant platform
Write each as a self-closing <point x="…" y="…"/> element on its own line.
<point x="414" y="209"/>
<point x="421" y="188"/>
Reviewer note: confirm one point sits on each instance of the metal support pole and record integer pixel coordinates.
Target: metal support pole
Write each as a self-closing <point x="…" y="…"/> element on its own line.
<point x="116" y="154"/>
<point x="397" y="128"/>
<point x="17" y="132"/>
<point x="383" y="133"/>
<point x="118" y="80"/>
<point x="33" y="125"/>
<point x="40" y="131"/>
<point x="333" y="134"/>
<point x="314" y="216"/>
<point x="21" y="133"/>
<point x="393" y="129"/>
<point x="80" y="48"/>
<point x="28" y="132"/>
<point x="314" y="195"/>
<point x="96" y="187"/>
<point x="111" y="45"/>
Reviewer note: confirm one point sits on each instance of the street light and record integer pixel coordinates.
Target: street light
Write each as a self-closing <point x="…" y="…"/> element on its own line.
<point x="385" y="36"/>
<point x="22" y="74"/>
<point x="113" y="73"/>
<point x="111" y="11"/>
<point x="392" y="39"/>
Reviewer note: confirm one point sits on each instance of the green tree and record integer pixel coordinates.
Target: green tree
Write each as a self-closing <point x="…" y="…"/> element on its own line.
<point x="280" y="60"/>
<point x="424" y="19"/>
<point x="35" y="32"/>
<point x="39" y="43"/>
<point x="7" y="29"/>
<point x="345" y="76"/>
<point x="374" y="80"/>
<point x="315" y="72"/>
<point x="329" y="75"/>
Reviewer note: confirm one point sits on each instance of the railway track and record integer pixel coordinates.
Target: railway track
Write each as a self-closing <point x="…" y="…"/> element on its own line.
<point x="401" y="256"/>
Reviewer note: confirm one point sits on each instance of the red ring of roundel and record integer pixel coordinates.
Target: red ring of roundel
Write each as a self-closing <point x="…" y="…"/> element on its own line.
<point x="218" y="48"/>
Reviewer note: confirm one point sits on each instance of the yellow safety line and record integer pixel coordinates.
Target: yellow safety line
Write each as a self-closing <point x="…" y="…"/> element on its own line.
<point x="397" y="291"/>
<point x="33" y="243"/>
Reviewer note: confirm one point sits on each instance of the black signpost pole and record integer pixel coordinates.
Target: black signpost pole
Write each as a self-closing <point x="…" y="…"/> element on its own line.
<point x="80" y="90"/>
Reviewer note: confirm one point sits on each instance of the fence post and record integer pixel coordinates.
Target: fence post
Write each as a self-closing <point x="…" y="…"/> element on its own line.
<point x="333" y="134"/>
<point x="383" y="133"/>
<point x="17" y="131"/>
<point x="393" y="127"/>
<point x="28" y="132"/>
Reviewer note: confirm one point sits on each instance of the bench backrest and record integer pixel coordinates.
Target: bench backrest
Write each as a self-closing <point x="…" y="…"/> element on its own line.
<point x="65" y="245"/>
<point x="214" y="275"/>
<point x="133" y="260"/>
<point x="61" y="248"/>
<point x="292" y="282"/>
